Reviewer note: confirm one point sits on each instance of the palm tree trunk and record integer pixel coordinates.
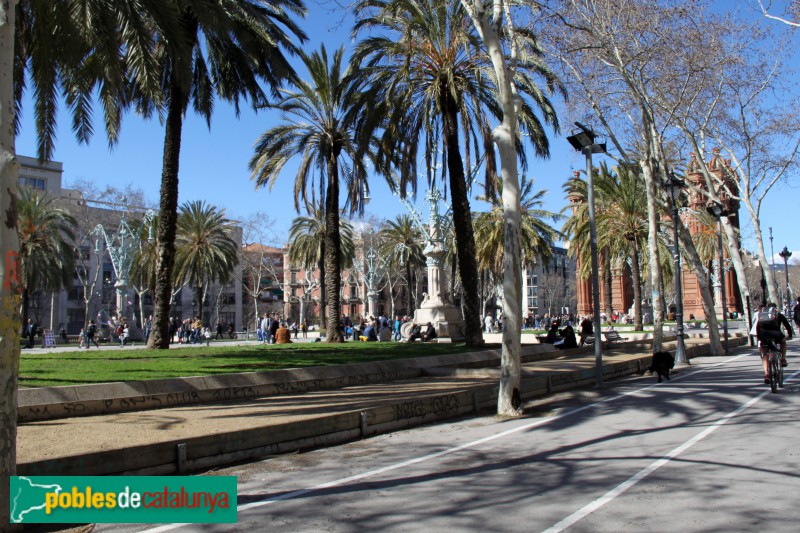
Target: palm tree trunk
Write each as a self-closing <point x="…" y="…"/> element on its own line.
<point x="462" y="225"/>
<point x="333" y="253"/>
<point x="167" y="219"/>
<point x="607" y="288"/>
<point x="322" y="288"/>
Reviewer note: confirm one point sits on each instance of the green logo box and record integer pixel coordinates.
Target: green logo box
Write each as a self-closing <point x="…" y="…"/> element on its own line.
<point x="123" y="499"/>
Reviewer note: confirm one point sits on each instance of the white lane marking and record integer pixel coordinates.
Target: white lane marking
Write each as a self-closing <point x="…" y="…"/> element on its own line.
<point x="636" y="478"/>
<point x="448" y="451"/>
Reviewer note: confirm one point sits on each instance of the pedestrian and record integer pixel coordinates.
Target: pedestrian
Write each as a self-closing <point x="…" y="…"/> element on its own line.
<point x="398" y="324"/>
<point x="273" y="328"/>
<point x="207" y="336"/>
<point x="148" y="327"/>
<point x="796" y="314"/>
<point x="219" y="331"/>
<point x="81" y="338"/>
<point x="488" y="322"/>
<point x="30" y="332"/>
<point x="91" y="330"/>
<point x="304" y="329"/>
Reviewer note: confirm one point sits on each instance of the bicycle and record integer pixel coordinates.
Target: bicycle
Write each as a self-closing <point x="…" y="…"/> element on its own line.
<point x="774" y="366"/>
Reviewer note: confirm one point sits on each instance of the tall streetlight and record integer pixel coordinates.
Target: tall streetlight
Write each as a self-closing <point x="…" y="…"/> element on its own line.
<point x="786" y="254"/>
<point x="718" y="211"/>
<point x="772" y="260"/>
<point x="582" y="140"/>
<point x="674" y="186"/>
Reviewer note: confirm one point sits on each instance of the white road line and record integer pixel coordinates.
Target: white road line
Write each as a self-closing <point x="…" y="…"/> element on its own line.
<point x="633" y="480"/>
<point x="448" y="451"/>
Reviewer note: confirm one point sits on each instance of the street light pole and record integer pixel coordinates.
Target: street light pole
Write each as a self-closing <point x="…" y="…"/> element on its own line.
<point x="718" y="211"/>
<point x="674" y="187"/>
<point x="583" y="141"/>
<point x="772" y="259"/>
<point x="786" y="254"/>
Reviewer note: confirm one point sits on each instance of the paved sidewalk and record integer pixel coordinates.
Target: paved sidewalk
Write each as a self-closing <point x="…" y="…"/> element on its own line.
<point x="139" y="432"/>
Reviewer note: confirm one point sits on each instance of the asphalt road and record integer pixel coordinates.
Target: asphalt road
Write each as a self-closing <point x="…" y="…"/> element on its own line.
<point x="712" y="450"/>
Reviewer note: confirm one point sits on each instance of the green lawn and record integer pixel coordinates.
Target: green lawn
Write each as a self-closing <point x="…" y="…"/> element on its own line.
<point x="115" y="364"/>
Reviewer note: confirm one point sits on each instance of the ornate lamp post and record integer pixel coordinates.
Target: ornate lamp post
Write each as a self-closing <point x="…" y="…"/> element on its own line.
<point x="718" y="211"/>
<point x="372" y="275"/>
<point x="785" y="255"/>
<point x="674" y="187"/>
<point x="121" y="247"/>
<point x="583" y="141"/>
<point x="443" y="315"/>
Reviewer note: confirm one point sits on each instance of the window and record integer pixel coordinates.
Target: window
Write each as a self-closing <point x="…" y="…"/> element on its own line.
<point x="75" y="316"/>
<point x="75" y="294"/>
<point x="533" y="291"/>
<point x="33" y="183"/>
<point x="227" y="317"/>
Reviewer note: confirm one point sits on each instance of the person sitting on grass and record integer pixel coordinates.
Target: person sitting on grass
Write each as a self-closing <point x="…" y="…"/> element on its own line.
<point x="385" y="333"/>
<point x="369" y="335"/>
<point x="430" y="333"/>
<point x="283" y="335"/>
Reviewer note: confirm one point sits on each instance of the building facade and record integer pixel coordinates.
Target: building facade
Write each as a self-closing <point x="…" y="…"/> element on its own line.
<point x="92" y="293"/>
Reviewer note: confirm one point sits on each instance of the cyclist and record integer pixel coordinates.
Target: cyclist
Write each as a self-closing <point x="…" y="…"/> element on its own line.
<point x="768" y="328"/>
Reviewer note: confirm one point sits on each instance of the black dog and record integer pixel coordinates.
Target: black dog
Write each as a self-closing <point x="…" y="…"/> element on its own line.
<point x="662" y="363"/>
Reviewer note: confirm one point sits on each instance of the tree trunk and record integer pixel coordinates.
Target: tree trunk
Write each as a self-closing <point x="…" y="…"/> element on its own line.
<point x="691" y="256"/>
<point x="167" y="219"/>
<point x="333" y="253"/>
<point x="607" y="288"/>
<point x="462" y="225"/>
<point x="9" y="274"/>
<point x="322" y="289"/>
<point x="504" y="136"/>
<point x="648" y="168"/>
<point x="636" y="278"/>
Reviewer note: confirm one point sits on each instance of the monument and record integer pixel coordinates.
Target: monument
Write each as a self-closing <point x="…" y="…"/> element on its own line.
<point x="436" y="308"/>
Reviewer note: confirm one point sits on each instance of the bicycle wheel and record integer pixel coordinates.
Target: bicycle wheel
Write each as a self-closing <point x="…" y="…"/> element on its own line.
<point x="780" y="375"/>
<point x="773" y="372"/>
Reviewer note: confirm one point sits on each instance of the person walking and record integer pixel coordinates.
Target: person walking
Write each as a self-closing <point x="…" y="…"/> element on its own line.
<point x="796" y="314"/>
<point x="91" y="331"/>
<point x="30" y="332"/>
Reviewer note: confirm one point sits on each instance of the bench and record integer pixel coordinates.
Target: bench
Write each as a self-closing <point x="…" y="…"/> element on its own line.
<point x="613" y="336"/>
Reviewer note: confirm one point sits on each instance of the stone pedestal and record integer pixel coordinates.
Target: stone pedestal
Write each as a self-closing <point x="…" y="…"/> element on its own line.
<point x="446" y="319"/>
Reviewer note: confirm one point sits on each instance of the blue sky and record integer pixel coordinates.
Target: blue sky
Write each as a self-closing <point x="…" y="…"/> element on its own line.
<point x="214" y="162"/>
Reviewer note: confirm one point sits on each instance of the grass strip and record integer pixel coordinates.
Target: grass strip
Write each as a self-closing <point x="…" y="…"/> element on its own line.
<point x="115" y="364"/>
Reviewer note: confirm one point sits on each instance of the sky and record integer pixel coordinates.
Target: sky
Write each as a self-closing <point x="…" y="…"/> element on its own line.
<point x="213" y="165"/>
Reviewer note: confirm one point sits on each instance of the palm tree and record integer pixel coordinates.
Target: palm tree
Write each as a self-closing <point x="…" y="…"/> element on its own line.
<point x="46" y="236"/>
<point x="622" y="224"/>
<point x="403" y="242"/>
<point x="428" y="63"/>
<point x="307" y="245"/>
<point x="205" y="251"/>
<point x="233" y="45"/>
<point x="325" y="127"/>
<point x="536" y="236"/>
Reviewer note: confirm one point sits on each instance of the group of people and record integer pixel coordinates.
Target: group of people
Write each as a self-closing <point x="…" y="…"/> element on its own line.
<point x="383" y="329"/>
<point x="274" y="329"/>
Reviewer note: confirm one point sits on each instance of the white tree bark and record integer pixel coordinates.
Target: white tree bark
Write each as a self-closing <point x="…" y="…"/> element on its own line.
<point x="489" y="27"/>
<point x="9" y="246"/>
